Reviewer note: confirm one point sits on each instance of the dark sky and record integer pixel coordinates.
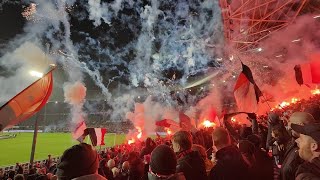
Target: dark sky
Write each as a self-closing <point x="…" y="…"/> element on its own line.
<point x="11" y="21"/>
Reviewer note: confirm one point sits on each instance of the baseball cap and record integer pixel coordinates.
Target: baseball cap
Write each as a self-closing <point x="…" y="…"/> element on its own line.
<point x="312" y="130"/>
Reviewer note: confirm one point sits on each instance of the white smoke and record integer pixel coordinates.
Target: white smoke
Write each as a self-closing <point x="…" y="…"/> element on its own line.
<point x="75" y="94"/>
<point x="19" y="63"/>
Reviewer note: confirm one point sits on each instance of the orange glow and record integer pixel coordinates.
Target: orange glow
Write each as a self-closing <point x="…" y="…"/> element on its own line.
<point x="315" y="91"/>
<point x="294" y="100"/>
<point x="208" y="124"/>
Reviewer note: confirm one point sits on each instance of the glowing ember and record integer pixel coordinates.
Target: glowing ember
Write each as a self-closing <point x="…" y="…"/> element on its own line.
<point x="208" y="124"/>
<point x="315" y="92"/>
<point x="131" y="141"/>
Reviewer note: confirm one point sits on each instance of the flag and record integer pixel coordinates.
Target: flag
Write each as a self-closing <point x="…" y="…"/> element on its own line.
<point x="185" y="122"/>
<point x="308" y="73"/>
<point x="79" y="132"/>
<point x="27" y="102"/>
<point x="246" y="92"/>
<point x="167" y="123"/>
<point x="97" y="135"/>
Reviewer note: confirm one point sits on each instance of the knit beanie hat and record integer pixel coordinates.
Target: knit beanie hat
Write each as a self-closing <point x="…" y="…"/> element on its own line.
<point x="163" y="160"/>
<point x="79" y="160"/>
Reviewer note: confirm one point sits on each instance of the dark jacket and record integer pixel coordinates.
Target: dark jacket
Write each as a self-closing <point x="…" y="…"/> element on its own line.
<point x="230" y="165"/>
<point x="291" y="161"/>
<point x="309" y="170"/>
<point x="192" y="166"/>
<point x="262" y="169"/>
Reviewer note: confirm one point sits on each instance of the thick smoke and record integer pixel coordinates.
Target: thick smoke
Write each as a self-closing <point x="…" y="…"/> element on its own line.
<point x="16" y="67"/>
<point x="147" y="113"/>
<point x="74" y="94"/>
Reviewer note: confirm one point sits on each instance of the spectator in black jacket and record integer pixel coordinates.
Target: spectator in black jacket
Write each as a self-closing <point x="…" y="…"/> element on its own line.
<point x="150" y="145"/>
<point x="309" y="145"/>
<point x="230" y="164"/>
<point x="189" y="162"/>
<point x="291" y="157"/>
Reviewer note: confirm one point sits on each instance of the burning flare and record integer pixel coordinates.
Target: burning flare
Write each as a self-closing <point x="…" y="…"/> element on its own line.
<point x="140" y="133"/>
<point x="208" y="124"/>
<point x="315" y="91"/>
<point x="169" y="132"/>
<point x="131" y="141"/>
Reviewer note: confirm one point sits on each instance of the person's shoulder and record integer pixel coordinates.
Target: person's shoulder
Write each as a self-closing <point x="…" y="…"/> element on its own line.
<point x="307" y="176"/>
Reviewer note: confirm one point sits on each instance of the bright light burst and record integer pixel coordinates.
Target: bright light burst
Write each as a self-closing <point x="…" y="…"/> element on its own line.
<point x="284" y="104"/>
<point x="131" y="141"/>
<point x="315" y="91"/>
<point x="140" y="133"/>
<point x="169" y="132"/>
<point x="208" y="124"/>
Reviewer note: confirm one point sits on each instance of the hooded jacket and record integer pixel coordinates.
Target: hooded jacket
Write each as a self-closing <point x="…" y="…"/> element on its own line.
<point x="192" y="166"/>
<point x="230" y="165"/>
<point x="291" y="162"/>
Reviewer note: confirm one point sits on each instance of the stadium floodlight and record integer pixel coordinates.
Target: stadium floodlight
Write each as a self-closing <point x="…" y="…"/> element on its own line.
<point x="36" y="74"/>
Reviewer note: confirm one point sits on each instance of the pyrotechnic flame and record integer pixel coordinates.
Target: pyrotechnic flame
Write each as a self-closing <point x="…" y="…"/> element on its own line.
<point x="169" y="132"/>
<point x="131" y="141"/>
<point x="294" y="100"/>
<point x="315" y="91"/>
<point x="140" y="133"/>
<point x="284" y="104"/>
<point x="208" y="124"/>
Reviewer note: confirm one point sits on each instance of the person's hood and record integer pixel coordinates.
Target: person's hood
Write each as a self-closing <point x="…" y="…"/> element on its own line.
<point x="228" y="153"/>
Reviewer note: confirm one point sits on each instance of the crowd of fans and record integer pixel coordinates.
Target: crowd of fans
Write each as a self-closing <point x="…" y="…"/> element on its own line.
<point x="284" y="144"/>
